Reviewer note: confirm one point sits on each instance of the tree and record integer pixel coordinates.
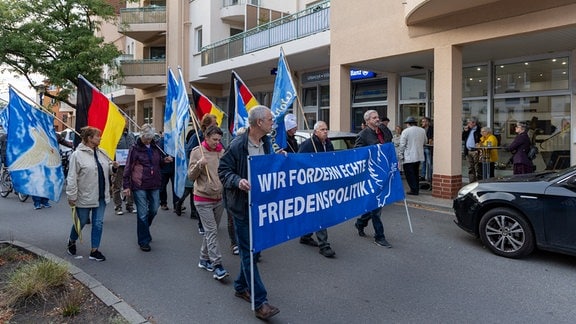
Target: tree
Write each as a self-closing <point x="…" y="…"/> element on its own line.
<point x="57" y="39"/>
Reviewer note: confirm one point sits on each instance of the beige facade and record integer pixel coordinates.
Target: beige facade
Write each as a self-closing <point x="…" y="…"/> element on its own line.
<point x="446" y="59"/>
<point x="399" y="38"/>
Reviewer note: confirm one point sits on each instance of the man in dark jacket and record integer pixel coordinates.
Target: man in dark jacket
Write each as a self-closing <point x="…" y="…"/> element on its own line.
<point x="471" y="137"/>
<point x="370" y="135"/>
<point x="142" y="179"/>
<point x="319" y="142"/>
<point x="233" y="173"/>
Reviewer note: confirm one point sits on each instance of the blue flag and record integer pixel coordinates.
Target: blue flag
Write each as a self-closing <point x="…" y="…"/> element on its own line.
<point x="302" y="193"/>
<point x="170" y="114"/>
<point x="282" y="98"/>
<point x="182" y="112"/>
<point x="32" y="153"/>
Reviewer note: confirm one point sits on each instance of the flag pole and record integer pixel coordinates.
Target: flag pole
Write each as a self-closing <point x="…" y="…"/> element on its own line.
<point x="41" y="108"/>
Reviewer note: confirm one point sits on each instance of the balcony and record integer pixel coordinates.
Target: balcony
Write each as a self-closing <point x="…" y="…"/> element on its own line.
<point x="301" y="24"/>
<point x="119" y="94"/>
<point x="143" y="74"/>
<point x="145" y="25"/>
<point x="235" y="11"/>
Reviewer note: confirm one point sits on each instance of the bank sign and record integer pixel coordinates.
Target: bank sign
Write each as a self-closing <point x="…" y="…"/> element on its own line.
<point x="320" y="76"/>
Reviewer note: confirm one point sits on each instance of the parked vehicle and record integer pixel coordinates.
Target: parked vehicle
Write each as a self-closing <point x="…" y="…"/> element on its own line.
<point x="340" y="140"/>
<point x="516" y="214"/>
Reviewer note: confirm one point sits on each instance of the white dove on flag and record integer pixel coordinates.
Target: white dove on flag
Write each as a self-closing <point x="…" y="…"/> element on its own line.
<point x="41" y="152"/>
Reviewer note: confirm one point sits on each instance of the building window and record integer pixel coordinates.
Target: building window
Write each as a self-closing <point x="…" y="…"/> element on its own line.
<point x="537" y="75"/>
<point x="475" y="81"/>
<point x="148" y="116"/>
<point x="198" y="34"/>
<point x="158" y="53"/>
<point x="370" y="91"/>
<point x="310" y="97"/>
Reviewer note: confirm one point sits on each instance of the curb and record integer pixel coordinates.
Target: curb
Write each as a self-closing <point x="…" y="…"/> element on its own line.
<point x="105" y="295"/>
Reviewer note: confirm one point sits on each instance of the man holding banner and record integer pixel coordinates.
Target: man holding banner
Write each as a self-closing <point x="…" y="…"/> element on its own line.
<point x="233" y="173"/>
<point x="370" y="135"/>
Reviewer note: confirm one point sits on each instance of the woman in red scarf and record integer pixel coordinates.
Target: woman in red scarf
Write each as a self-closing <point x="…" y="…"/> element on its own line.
<point x="203" y="170"/>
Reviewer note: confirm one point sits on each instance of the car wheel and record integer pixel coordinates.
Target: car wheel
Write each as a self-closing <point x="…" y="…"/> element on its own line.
<point x="506" y="233"/>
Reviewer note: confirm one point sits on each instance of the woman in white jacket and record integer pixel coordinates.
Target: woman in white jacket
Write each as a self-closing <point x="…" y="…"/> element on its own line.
<point x="88" y="188"/>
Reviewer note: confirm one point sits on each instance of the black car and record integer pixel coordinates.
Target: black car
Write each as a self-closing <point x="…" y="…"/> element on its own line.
<point x="514" y="215"/>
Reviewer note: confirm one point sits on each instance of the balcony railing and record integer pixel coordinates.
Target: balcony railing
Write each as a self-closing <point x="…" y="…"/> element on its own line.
<point x="301" y="24"/>
<point x="228" y="3"/>
<point x="145" y="15"/>
<point x="143" y="67"/>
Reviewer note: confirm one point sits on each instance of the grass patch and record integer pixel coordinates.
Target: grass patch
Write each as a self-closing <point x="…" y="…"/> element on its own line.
<point x="34" y="279"/>
<point x="10" y="254"/>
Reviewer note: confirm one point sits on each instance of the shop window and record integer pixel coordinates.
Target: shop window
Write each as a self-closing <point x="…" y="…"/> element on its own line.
<point x="413" y="87"/>
<point x="324" y="96"/>
<point x="475" y="81"/>
<point x="310" y="96"/>
<point x="548" y="118"/>
<point x="370" y="91"/>
<point x="537" y="75"/>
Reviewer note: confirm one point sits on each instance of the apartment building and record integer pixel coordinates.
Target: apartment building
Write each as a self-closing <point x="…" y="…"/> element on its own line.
<point x="500" y="61"/>
<point x="208" y="39"/>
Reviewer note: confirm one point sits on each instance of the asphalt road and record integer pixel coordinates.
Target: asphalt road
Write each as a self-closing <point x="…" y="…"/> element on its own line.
<point x="437" y="274"/>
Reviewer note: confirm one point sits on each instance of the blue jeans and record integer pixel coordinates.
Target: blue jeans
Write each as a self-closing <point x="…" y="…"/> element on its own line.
<point x="426" y="171"/>
<point x="147" y="203"/>
<point x="97" y="222"/>
<point x="242" y="283"/>
<point x="374" y="215"/>
<point x="39" y="201"/>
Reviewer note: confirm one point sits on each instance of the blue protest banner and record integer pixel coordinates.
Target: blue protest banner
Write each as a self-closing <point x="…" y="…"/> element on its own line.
<point x="295" y="194"/>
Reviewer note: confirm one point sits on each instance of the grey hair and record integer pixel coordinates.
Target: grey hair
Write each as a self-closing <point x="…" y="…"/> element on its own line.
<point x="487" y="129"/>
<point x="521" y="125"/>
<point x="147" y="132"/>
<point x="318" y="123"/>
<point x="473" y="119"/>
<point x="368" y="113"/>
<point x="257" y="112"/>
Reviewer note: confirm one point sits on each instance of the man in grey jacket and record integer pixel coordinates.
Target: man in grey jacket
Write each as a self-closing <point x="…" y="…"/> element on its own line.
<point x="411" y="152"/>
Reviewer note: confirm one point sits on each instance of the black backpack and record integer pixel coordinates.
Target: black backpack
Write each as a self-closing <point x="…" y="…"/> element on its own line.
<point x="532" y="152"/>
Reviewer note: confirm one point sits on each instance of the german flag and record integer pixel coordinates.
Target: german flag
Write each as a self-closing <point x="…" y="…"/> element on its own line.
<point x="205" y="106"/>
<point x="94" y="109"/>
<point x="240" y="101"/>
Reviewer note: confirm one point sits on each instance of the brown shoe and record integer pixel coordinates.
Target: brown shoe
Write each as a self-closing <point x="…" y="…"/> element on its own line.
<point x="244" y="295"/>
<point x="266" y="311"/>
